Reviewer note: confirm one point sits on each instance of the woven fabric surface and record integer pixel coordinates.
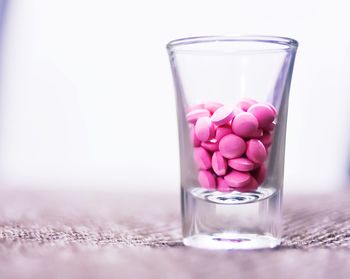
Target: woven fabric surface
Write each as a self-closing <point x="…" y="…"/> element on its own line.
<point x="111" y="235"/>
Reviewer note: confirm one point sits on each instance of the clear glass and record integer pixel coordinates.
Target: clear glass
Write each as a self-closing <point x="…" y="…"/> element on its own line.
<point x="217" y="213"/>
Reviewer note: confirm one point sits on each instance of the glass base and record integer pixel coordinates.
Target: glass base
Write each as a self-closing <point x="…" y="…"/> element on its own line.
<point x="234" y="220"/>
<point x="227" y="241"/>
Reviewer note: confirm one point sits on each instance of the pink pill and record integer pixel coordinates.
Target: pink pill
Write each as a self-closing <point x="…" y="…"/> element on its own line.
<point x="256" y="151"/>
<point x="211" y="146"/>
<point x="273" y="108"/>
<point x="218" y="163"/>
<point x="222" y="131"/>
<point x="212" y="106"/>
<point x="193" y="115"/>
<point x="207" y="180"/>
<point x="260" y="174"/>
<point x="270" y="127"/>
<point x="204" y="129"/>
<point x="267" y="146"/>
<point x="232" y="146"/>
<point x="195" y="141"/>
<point x="263" y="113"/>
<point x="202" y="158"/>
<point x="245" y="124"/>
<point x="222" y="185"/>
<point x="253" y="185"/>
<point x="266" y="139"/>
<point x="258" y="134"/>
<point x="241" y="164"/>
<point x="238" y="179"/>
<point x="246" y="103"/>
<point x="222" y="115"/>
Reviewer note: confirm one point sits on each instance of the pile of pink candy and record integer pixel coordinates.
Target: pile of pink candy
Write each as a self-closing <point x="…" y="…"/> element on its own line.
<point x="231" y="143"/>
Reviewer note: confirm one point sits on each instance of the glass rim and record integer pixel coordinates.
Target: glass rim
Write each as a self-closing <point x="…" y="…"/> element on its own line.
<point x="285" y="42"/>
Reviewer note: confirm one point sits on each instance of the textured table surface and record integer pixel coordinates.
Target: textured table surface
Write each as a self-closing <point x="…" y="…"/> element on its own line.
<point x="50" y="234"/>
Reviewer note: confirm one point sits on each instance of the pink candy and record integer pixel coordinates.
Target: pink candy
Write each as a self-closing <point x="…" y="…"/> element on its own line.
<point x="207" y="180"/>
<point x="237" y="179"/>
<point x="245" y="124"/>
<point x="222" y="131"/>
<point x="260" y="174"/>
<point x="211" y="146"/>
<point x="204" y="128"/>
<point x="195" y="141"/>
<point x="266" y="139"/>
<point x="232" y="146"/>
<point x="263" y="113"/>
<point x="193" y="115"/>
<point x="222" y="115"/>
<point x="231" y="143"/>
<point x="222" y="185"/>
<point x="202" y="158"/>
<point x="256" y="151"/>
<point x="219" y="163"/>
<point x="241" y="164"/>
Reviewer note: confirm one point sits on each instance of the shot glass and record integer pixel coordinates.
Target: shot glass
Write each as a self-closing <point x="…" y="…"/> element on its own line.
<point x="232" y="104"/>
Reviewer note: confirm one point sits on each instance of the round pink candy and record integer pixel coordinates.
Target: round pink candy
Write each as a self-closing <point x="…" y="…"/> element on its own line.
<point x="211" y="146"/>
<point x="193" y="115"/>
<point x="222" y="185"/>
<point x="207" y="180"/>
<point x="273" y="108"/>
<point x="204" y="128"/>
<point x="222" y="115"/>
<point x="232" y="146"/>
<point x="202" y="158"/>
<point x="222" y="131"/>
<point x="212" y="106"/>
<point x="263" y="113"/>
<point x="218" y="163"/>
<point x="238" y="179"/>
<point x="270" y="127"/>
<point x="258" y="134"/>
<point x="260" y="174"/>
<point x="241" y="164"/>
<point x="195" y="141"/>
<point x="256" y="151"/>
<point x="246" y="103"/>
<point x="245" y="124"/>
<point x="266" y="139"/>
<point x="253" y="185"/>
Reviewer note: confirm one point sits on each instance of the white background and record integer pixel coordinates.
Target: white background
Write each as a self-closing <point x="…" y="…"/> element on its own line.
<point x="87" y="98"/>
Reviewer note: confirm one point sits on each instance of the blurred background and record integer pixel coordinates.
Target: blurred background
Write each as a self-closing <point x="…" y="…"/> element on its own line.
<point x="87" y="98"/>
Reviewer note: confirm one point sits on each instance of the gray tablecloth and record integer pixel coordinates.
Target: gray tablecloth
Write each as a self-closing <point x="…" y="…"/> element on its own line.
<point x="56" y="234"/>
